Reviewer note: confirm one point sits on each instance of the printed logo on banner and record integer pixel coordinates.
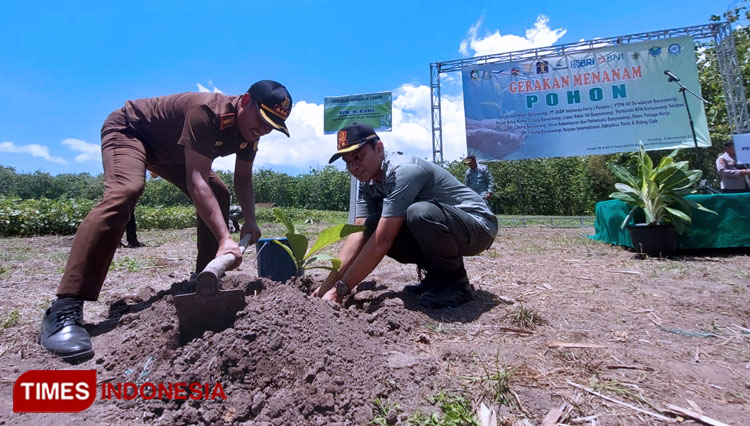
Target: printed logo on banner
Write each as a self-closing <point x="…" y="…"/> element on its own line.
<point x="636" y="56"/>
<point x="542" y="67"/>
<point x="580" y="63"/>
<point x="610" y="58"/>
<point x="515" y="71"/>
<point x="561" y="64"/>
<point x="654" y="51"/>
<point x="475" y="75"/>
<point x="674" y="49"/>
<point x="54" y="391"/>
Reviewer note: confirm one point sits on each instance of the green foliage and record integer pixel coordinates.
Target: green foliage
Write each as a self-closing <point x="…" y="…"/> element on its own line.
<point x="455" y="411"/>
<point x="304" y="258"/>
<point x="176" y="217"/>
<point x="324" y="189"/>
<point x="547" y="186"/>
<point x="526" y="317"/>
<point x="658" y="191"/>
<point x="380" y="411"/>
<point x="11" y="321"/>
<point x="159" y="192"/>
<point x="41" y="217"/>
<point x="62" y="217"/>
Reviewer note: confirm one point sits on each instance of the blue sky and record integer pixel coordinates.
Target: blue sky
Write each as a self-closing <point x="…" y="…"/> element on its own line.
<point x="64" y="66"/>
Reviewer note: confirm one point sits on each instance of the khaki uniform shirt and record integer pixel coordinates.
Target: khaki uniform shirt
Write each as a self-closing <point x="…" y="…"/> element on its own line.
<point x="203" y="122"/>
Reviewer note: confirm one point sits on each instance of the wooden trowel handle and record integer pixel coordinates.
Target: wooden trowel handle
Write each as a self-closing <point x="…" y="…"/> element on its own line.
<point x="220" y="264"/>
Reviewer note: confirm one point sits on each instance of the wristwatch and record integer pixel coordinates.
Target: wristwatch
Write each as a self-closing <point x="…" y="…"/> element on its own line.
<point x="342" y="288"/>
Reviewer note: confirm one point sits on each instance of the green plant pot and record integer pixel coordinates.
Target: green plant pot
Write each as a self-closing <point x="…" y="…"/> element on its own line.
<point x="653" y="240"/>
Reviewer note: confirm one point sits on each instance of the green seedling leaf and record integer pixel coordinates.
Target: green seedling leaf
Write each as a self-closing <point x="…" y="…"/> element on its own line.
<point x="298" y="243"/>
<point x="283" y="218"/>
<point x="333" y="234"/>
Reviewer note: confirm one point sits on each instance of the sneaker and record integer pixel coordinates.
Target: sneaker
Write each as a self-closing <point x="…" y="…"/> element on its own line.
<point x="447" y="294"/>
<point x="62" y="331"/>
<point x="426" y="280"/>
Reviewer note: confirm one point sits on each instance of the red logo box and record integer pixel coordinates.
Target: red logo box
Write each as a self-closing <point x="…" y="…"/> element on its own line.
<point x="54" y="391"/>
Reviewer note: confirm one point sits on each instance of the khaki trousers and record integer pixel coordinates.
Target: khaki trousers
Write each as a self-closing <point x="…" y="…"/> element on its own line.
<point x="125" y="160"/>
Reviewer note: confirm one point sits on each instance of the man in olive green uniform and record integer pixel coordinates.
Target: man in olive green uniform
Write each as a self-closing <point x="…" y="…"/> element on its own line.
<point x="175" y="137"/>
<point x="479" y="178"/>
<point x="414" y="212"/>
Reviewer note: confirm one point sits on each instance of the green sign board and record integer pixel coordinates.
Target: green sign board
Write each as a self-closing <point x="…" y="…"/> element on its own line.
<point x="374" y="109"/>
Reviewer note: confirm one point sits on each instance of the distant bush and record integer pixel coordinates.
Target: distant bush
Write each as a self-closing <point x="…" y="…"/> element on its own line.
<point x="41" y="217"/>
<point x="62" y="217"/>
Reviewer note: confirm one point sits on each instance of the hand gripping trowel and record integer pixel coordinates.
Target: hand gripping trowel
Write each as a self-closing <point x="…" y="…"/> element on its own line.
<point x="210" y="307"/>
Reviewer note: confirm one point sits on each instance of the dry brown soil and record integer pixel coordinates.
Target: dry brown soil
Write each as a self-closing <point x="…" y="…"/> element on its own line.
<point x="552" y="309"/>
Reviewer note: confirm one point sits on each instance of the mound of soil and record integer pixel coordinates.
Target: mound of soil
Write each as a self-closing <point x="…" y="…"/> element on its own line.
<point x="288" y="358"/>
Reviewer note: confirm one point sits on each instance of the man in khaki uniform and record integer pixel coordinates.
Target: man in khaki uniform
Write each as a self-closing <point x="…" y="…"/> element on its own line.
<point x="175" y="137"/>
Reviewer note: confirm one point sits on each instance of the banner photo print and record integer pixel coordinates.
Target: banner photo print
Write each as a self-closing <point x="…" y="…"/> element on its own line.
<point x="597" y="101"/>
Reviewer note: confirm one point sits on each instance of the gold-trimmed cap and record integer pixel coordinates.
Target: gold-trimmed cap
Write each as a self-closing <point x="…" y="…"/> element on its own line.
<point x="274" y="103"/>
<point x="351" y="138"/>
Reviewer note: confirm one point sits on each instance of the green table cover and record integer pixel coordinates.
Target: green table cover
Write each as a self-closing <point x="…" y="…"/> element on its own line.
<point x="731" y="228"/>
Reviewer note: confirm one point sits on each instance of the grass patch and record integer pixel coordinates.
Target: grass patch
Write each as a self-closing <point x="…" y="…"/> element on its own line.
<point x="455" y="410"/>
<point x="381" y="411"/>
<point x="526" y="318"/>
<point x="132" y="264"/>
<point x="11" y="321"/>
<point x="438" y="327"/>
<point x="497" y="380"/>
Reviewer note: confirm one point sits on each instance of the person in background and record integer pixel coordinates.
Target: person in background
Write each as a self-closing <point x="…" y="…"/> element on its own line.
<point x="131" y="236"/>
<point x="735" y="177"/>
<point x="479" y="178"/>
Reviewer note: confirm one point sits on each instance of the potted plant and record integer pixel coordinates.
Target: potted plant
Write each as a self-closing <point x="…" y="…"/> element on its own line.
<point x="659" y="192"/>
<point x="298" y="244"/>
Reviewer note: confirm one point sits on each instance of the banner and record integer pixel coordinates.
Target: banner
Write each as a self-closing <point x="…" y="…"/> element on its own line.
<point x="598" y="101"/>
<point x="742" y="147"/>
<point x="374" y="109"/>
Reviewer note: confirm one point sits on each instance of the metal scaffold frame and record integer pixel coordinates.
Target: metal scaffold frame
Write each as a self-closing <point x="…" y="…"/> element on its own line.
<point x="720" y="32"/>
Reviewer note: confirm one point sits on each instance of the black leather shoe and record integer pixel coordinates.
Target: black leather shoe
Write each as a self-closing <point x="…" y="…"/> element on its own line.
<point x="447" y="294"/>
<point x="425" y="283"/>
<point x="63" y="334"/>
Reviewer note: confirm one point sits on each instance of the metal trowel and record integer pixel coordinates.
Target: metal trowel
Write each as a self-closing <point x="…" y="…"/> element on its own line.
<point x="210" y="307"/>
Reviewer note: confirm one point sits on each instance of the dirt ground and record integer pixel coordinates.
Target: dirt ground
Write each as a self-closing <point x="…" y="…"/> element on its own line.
<point x="553" y="312"/>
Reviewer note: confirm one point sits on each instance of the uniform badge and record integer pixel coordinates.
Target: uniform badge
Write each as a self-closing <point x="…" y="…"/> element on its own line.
<point x="243" y="145"/>
<point x="219" y="143"/>
<point x="342" y="139"/>
<point x="226" y="120"/>
<point x="255" y="144"/>
<point x="283" y="109"/>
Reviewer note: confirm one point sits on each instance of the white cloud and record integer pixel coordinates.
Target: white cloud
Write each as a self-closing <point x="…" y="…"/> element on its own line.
<point x="35" y="150"/>
<point x="412" y="133"/>
<point x="539" y="36"/>
<point x="202" y="88"/>
<point x="88" y="151"/>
